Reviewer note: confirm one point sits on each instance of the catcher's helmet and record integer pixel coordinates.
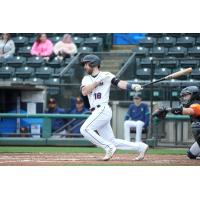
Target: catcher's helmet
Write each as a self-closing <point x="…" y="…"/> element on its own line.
<point x="193" y="91"/>
<point x="92" y="60"/>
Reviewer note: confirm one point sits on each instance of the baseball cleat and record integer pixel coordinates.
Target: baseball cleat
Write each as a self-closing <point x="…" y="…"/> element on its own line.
<point x="142" y="153"/>
<point x="109" y="153"/>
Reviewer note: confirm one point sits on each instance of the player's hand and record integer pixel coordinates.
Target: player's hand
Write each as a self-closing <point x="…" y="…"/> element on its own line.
<point x="160" y="113"/>
<point x="177" y="111"/>
<point x="136" y="87"/>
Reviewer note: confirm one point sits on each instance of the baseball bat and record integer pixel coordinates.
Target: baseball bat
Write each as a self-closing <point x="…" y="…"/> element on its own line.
<point x="171" y="76"/>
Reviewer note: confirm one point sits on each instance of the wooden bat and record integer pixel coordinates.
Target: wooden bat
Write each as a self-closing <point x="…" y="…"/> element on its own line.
<point x="171" y="76"/>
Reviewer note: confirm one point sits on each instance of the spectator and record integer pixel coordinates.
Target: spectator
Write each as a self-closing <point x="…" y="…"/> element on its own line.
<point x="42" y="47"/>
<point x="80" y="108"/>
<point x="7" y="46"/>
<point x="58" y="123"/>
<point x="65" y="48"/>
<point x="137" y="116"/>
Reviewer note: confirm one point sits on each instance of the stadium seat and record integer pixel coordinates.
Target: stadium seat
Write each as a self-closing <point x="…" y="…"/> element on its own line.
<point x="96" y="43"/>
<point x="55" y="63"/>
<point x="31" y="40"/>
<point x="143" y="73"/>
<point x="158" y="51"/>
<point x="147" y="42"/>
<point x="44" y="72"/>
<point x="67" y="61"/>
<point x="141" y="51"/>
<point x="35" y="61"/>
<point x="28" y="35"/>
<point x="177" y="51"/>
<point x="155" y="35"/>
<point x="158" y="95"/>
<point x="2" y="61"/>
<point x="15" y="80"/>
<point x="168" y="62"/>
<point x="195" y="73"/>
<point x="185" y="41"/>
<point x="85" y="50"/>
<point x="6" y="72"/>
<point x="55" y="39"/>
<point x="174" y="95"/>
<point x="166" y="41"/>
<point x="24" y="72"/>
<point x="107" y="39"/>
<point x="82" y="35"/>
<point x="69" y="73"/>
<point x="147" y="62"/>
<point x="194" y="51"/>
<point x="197" y="41"/>
<point x="195" y="35"/>
<point x="190" y="62"/>
<point x="78" y="41"/>
<point x="173" y="34"/>
<point x="161" y="72"/>
<point x="52" y="81"/>
<point x="20" y="41"/>
<point x="17" y="61"/>
<point x="34" y="81"/>
<point x="24" y="51"/>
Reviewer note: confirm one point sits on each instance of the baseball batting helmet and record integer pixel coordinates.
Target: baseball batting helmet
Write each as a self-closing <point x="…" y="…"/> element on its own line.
<point x="193" y="91"/>
<point x="92" y="60"/>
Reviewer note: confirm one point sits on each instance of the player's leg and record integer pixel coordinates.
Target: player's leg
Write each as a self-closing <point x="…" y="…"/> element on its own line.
<point x="127" y="125"/>
<point x="138" y="147"/>
<point x="194" y="151"/>
<point x="96" y="120"/>
<point x="139" y="126"/>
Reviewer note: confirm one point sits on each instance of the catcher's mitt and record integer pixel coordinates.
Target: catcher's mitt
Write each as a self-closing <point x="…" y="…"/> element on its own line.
<point x="160" y="113"/>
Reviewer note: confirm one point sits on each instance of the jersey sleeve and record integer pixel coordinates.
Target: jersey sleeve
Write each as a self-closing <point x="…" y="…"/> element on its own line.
<point x="196" y="109"/>
<point x="84" y="81"/>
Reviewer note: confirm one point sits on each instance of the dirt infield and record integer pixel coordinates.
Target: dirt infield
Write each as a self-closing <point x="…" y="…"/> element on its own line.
<point x="64" y="159"/>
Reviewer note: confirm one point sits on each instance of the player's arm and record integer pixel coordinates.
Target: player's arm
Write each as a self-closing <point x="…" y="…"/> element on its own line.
<point x="87" y="89"/>
<point x="192" y="110"/>
<point x="124" y="85"/>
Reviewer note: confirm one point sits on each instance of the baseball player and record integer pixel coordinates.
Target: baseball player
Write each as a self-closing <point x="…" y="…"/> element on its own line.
<point x="96" y="86"/>
<point x="190" y="105"/>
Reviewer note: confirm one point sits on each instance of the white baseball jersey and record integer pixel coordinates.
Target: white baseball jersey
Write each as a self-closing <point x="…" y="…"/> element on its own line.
<point x="101" y="93"/>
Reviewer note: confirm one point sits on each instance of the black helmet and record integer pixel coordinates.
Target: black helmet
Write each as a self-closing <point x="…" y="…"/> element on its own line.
<point x="193" y="91"/>
<point x="92" y="60"/>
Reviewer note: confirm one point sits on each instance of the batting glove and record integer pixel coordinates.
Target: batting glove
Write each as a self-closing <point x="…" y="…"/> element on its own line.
<point x="177" y="111"/>
<point x="136" y="87"/>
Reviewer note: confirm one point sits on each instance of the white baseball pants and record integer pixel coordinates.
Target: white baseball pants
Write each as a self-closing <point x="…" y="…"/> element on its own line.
<point x="99" y="121"/>
<point x="138" y="125"/>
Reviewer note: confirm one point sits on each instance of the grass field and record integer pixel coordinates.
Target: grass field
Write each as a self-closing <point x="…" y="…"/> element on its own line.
<point x="19" y="149"/>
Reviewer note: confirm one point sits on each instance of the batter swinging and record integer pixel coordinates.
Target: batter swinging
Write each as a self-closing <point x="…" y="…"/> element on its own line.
<point x="96" y="85"/>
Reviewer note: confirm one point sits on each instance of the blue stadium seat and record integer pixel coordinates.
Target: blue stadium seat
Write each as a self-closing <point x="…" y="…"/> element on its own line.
<point x="20" y="41"/>
<point x="85" y="50"/>
<point x="155" y="35"/>
<point x="161" y="72"/>
<point x="35" y="61"/>
<point x="141" y="51"/>
<point x="158" y="51"/>
<point x="24" y="51"/>
<point x="55" y="63"/>
<point x="194" y="51"/>
<point x="31" y="40"/>
<point x="107" y="39"/>
<point x="166" y="41"/>
<point x="52" y="81"/>
<point x="55" y="39"/>
<point x="185" y="41"/>
<point x="17" y="61"/>
<point x="177" y="51"/>
<point x="78" y="41"/>
<point x="34" y="81"/>
<point x="44" y="72"/>
<point x="173" y="34"/>
<point x="147" y="42"/>
<point x="2" y="61"/>
<point x="190" y="62"/>
<point x="168" y="62"/>
<point x="96" y="43"/>
<point x="82" y="35"/>
<point x="6" y="72"/>
<point x="196" y="73"/>
<point x="24" y="72"/>
<point x="197" y="41"/>
<point x="144" y="73"/>
<point x="147" y="62"/>
<point x="16" y="80"/>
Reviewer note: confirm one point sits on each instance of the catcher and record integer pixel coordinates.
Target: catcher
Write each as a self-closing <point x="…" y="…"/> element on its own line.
<point x="190" y="105"/>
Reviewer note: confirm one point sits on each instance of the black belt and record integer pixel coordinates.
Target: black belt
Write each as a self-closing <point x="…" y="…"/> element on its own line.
<point x="92" y="109"/>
